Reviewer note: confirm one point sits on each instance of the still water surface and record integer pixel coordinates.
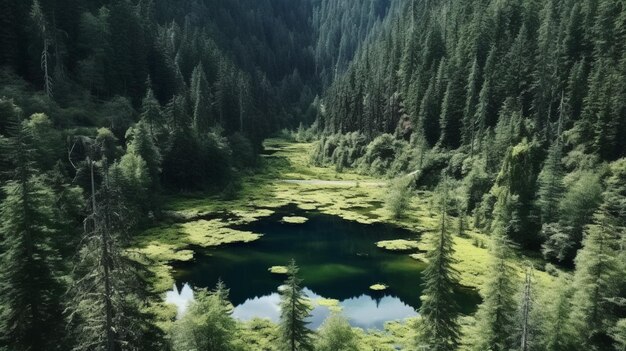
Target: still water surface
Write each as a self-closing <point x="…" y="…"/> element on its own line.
<point x="338" y="259"/>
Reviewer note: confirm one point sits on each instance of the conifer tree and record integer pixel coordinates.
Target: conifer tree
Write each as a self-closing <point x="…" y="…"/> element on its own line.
<point x="452" y="113"/>
<point x="142" y="144"/>
<point x="108" y="293"/>
<point x="554" y="310"/>
<point x="600" y="267"/>
<point x="471" y="102"/>
<point x="30" y="285"/>
<point x="151" y="113"/>
<point x="550" y="183"/>
<point x="207" y="323"/>
<point x="439" y="330"/>
<point x="294" y="310"/>
<point x="597" y="280"/>
<point x="201" y="100"/>
<point x="495" y="319"/>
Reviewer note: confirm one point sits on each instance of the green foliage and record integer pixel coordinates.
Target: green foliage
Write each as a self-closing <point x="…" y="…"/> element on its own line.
<point x="294" y="310"/>
<point x="30" y="287"/>
<point x="206" y="324"/>
<point x="550" y="183"/>
<point x="576" y="208"/>
<point x="380" y="154"/>
<point x="336" y="334"/>
<point x="399" y="197"/>
<point x="619" y="335"/>
<point x="30" y="290"/>
<point x="554" y="309"/>
<point x="597" y="277"/>
<point x="496" y="316"/>
<point x="131" y="176"/>
<point x="439" y="329"/>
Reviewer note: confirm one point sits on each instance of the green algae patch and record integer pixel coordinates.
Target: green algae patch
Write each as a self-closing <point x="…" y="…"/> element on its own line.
<point x="398" y="245"/>
<point x="307" y="207"/>
<point x="295" y="220"/>
<point x="213" y="233"/>
<point x="419" y="257"/>
<point x="379" y="287"/>
<point x="278" y="270"/>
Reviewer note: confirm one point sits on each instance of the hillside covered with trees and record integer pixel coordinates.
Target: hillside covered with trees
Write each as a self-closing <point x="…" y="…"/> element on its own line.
<point x="510" y="113"/>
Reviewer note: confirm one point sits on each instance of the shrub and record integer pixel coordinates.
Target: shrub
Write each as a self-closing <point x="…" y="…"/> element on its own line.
<point x="336" y="334"/>
<point x="399" y="197"/>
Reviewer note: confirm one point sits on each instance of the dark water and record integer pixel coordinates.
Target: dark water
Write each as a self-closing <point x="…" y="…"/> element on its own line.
<point x="338" y="259"/>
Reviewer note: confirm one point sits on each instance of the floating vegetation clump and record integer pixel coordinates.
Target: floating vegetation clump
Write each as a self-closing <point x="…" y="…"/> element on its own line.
<point x="295" y="220"/>
<point x="398" y="245"/>
<point x="278" y="270"/>
<point x="379" y="287"/>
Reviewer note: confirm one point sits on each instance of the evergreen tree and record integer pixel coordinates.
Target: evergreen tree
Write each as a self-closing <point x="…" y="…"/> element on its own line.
<point x="597" y="280"/>
<point x="452" y="113"/>
<point x="201" y="100"/>
<point x="30" y="285"/>
<point x="471" y="103"/>
<point x="108" y="293"/>
<point x="143" y="145"/>
<point x="495" y="319"/>
<point x="294" y="310"/>
<point x="550" y="183"/>
<point x="554" y="310"/>
<point x="151" y="113"/>
<point x="440" y="330"/>
<point x="207" y="323"/>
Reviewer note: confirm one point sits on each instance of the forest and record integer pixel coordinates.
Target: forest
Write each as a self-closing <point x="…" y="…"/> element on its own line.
<point x="427" y="175"/>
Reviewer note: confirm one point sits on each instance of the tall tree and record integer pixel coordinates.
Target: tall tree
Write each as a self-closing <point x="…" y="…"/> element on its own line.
<point x="597" y="279"/>
<point x="294" y="310"/>
<point x="108" y="294"/>
<point x="30" y="284"/>
<point x="495" y="319"/>
<point x="439" y="330"/>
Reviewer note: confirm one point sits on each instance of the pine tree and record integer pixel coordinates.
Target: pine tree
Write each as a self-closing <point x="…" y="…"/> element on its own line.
<point x="151" y="113"/>
<point x="452" y="113"/>
<point x="471" y="104"/>
<point x="550" y="182"/>
<point x="294" y="333"/>
<point x="30" y="285"/>
<point x="108" y="293"/>
<point x="554" y="310"/>
<point x="495" y="319"/>
<point x="143" y="145"/>
<point x="596" y="279"/>
<point x="201" y="100"/>
<point x="600" y="267"/>
<point x="440" y="330"/>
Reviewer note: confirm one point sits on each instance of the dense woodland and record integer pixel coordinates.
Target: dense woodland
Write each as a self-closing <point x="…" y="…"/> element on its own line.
<point x="512" y="111"/>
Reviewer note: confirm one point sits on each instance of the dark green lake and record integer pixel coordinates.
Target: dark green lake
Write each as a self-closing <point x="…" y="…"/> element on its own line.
<point x="338" y="259"/>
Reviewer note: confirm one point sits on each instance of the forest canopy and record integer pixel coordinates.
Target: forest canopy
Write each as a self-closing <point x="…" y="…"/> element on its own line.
<point x="511" y="113"/>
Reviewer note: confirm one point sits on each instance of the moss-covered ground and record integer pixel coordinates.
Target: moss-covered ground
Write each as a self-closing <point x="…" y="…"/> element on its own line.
<point x="206" y="220"/>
